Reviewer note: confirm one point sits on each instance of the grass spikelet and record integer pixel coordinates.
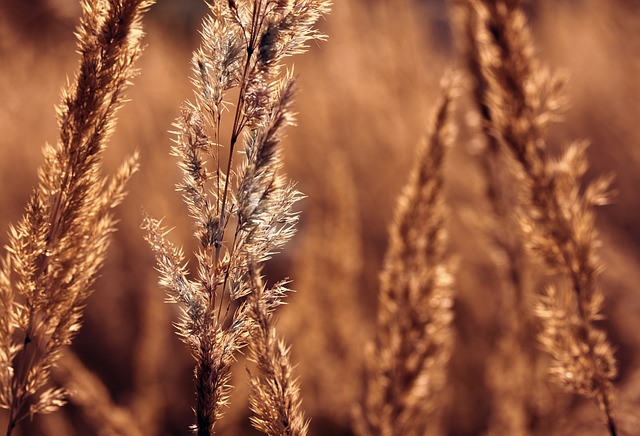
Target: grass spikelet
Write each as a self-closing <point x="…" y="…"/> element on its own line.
<point x="243" y="211"/>
<point x="406" y="367"/>
<point x="57" y="249"/>
<point x="558" y="218"/>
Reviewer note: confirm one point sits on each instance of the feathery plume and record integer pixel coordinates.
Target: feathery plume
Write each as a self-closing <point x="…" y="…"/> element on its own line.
<point x="557" y="219"/>
<point x="275" y="393"/>
<point x="243" y="212"/>
<point x="517" y="388"/>
<point x="87" y="392"/>
<point x="326" y="323"/>
<point x="57" y="249"/>
<point x="406" y="368"/>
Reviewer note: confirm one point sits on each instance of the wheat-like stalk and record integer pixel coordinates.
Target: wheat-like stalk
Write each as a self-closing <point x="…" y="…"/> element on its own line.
<point x="275" y="393"/>
<point x="512" y="373"/>
<point x="243" y="215"/>
<point x="558" y="218"/>
<point x="57" y="249"/>
<point x="406" y="367"/>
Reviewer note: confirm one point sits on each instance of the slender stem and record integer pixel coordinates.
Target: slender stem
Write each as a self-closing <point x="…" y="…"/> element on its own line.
<point x="19" y="380"/>
<point x="227" y="273"/>
<point x="11" y="426"/>
<point x="237" y="124"/>
<point x="610" y="421"/>
<point x="235" y="133"/>
<point x="218" y="163"/>
<point x="12" y="417"/>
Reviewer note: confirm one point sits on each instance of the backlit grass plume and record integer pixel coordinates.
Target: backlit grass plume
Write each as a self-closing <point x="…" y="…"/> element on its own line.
<point x="558" y="218"/>
<point x="518" y="388"/>
<point x="243" y="211"/>
<point x="275" y="392"/>
<point x="406" y="367"/>
<point x="58" y="247"/>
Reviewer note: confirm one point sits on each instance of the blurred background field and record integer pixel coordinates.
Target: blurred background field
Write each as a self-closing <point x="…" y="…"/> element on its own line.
<point x="363" y="105"/>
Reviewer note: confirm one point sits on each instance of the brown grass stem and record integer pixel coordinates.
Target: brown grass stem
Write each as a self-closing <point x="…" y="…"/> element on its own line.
<point x="57" y="249"/>
<point x="557" y="219"/>
<point x="244" y="43"/>
<point x="406" y="366"/>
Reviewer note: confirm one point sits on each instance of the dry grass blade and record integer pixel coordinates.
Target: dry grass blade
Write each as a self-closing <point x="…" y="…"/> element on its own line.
<point x="243" y="213"/>
<point x="558" y="219"/>
<point x="148" y="402"/>
<point x="57" y="249"/>
<point x="406" y="368"/>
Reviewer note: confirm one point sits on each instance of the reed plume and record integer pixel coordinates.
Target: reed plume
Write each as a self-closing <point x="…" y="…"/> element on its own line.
<point x="58" y="247"/>
<point x="518" y="391"/>
<point x="406" y="366"/>
<point x="243" y="213"/>
<point x="275" y="393"/>
<point x="557" y="218"/>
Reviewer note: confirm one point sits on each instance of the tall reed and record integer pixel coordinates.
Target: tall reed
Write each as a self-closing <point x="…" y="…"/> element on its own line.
<point x="406" y="366"/>
<point x="557" y="218"/>
<point x="518" y="388"/>
<point x="58" y="247"/>
<point x="243" y="213"/>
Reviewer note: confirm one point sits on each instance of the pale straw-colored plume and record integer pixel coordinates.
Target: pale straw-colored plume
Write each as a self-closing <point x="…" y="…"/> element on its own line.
<point x="517" y="386"/>
<point x="275" y="392"/>
<point x="242" y="210"/>
<point x="57" y="249"/>
<point x="407" y="363"/>
<point x="557" y="218"/>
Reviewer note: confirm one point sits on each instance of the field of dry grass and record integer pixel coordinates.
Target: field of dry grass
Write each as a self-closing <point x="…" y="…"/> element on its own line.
<point x="364" y="103"/>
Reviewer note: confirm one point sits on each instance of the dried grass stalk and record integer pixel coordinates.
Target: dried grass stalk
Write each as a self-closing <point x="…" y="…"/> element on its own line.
<point x="243" y="213"/>
<point x="518" y="391"/>
<point x="275" y="393"/>
<point x="57" y="249"/>
<point x="557" y="218"/>
<point x="406" y="366"/>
